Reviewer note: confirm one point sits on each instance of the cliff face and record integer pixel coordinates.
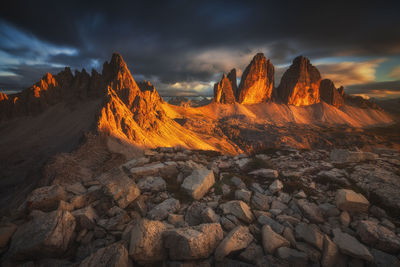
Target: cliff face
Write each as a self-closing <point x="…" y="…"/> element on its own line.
<point x="300" y="84"/>
<point x="330" y="94"/>
<point x="232" y="78"/>
<point x="257" y="81"/>
<point x="223" y="91"/>
<point x="50" y="90"/>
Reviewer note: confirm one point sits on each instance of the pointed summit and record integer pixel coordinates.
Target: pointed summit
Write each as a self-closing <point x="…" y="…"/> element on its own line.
<point x="232" y="77"/>
<point x="223" y="91"/>
<point x="300" y="83"/>
<point x="330" y="94"/>
<point x="257" y="81"/>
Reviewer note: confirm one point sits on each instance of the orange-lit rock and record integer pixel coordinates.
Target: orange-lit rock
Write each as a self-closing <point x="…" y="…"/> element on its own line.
<point x="330" y="94"/>
<point x="232" y="77"/>
<point x="300" y="83"/>
<point x="223" y="91"/>
<point x="257" y="81"/>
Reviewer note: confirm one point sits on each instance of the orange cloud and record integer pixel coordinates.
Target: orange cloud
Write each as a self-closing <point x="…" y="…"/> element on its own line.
<point x="350" y="72"/>
<point x="395" y="73"/>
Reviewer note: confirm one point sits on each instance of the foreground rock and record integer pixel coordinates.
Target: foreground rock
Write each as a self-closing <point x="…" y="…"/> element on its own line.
<point x="161" y="211"/>
<point x="146" y="244"/>
<point x="115" y="255"/>
<point x="349" y="200"/>
<point x="190" y="243"/>
<point x="119" y="186"/>
<point x="272" y="241"/>
<point x="350" y="246"/>
<point x="239" y="238"/>
<point x="46" y="235"/>
<point x="198" y="183"/>
<point x="346" y="156"/>
<point x="46" y="198"/>
<point x="378" y="236"/>
<point x="239" y="209"/>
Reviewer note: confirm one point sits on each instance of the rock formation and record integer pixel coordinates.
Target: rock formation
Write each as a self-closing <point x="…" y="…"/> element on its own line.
<point x="257" y="81"/>
<point x="300" y="83"/>
<point x="330" y="94"/>
<point x="223" y="91"/>
<point x="232" y="77"/>
<point x="107" y="221"/>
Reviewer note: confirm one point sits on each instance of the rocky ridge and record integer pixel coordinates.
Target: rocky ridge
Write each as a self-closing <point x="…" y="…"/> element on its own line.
<point x="283" y="208"/>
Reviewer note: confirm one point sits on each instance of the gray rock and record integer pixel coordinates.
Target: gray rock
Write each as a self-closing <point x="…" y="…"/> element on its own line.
<point x="350" y="246"/>
<point x="136" y="163"/>
<point x="310" y="235"/>
<point x="345" y="156"/>
<point x="146" y="244"/>
<point x="119" y="186"/>
<point x="227" y="224"/>
<point x="238" y="182"/>
<point x="260" y="201"/>
<point x="209" y="216"/>
<point x="266" y="220"/>
<point x="349" y="200"/>
<point x="239" y="209"/>
<point x="194" y="214"/>
<point x="275" y="187"/>
<point x="256" y="188"/>
<point x="46" y="235"/>
<point x="277" y="205"/>
<point x="243" y="194"/>
<point x="378" y="236"/>
<point x="226" y="189"/>
<point x="239" y="238"/>
<point x="271" y="240"/>
<point x="252" y="253"/>
<point x="198" y="183"/>
<point x="311" y="211"/>
<point x="152" y="169"/>
<point x="335" y="176"/>
<point x="313" y="254"/>
<point x="197" y="242"/>
<point x="161" y="211"/>
<point x="46" y="198"/>
<point x="265" y="173"/>
<point x="152" y="184"/>
<point x="330" y="254"/>
<point x="294" y="257"/>
<point x="382" y="259"/>
<point x="119" y="218"/>
<point x="329" y="210"/>
<point x="86" y="218"/>
<point x="115" y="255"/>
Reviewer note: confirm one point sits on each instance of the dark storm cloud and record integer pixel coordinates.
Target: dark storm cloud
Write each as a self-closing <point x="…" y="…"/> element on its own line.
<point x="179" y="41"/>
<point x="375" y="86"/>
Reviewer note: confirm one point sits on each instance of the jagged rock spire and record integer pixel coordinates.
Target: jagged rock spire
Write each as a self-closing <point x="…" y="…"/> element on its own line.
<point x="300" y="83"/>
<point x="330" y="94"/>
<point x="223" y="91"/>
<point x="257" y="81"/>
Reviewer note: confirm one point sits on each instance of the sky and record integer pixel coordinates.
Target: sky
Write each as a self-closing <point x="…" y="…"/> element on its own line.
<point x="183" y="47"/>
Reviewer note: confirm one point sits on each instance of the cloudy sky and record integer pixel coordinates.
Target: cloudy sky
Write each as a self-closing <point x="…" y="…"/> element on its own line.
<point x="184" y="46"/>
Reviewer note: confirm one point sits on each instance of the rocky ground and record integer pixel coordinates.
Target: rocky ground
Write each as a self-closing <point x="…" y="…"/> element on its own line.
<point x="176" y="207"/>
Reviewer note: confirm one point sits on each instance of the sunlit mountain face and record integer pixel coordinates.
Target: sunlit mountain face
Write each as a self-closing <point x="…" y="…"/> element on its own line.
<point x="355" y="45"/>
<point x="199" y="133"/>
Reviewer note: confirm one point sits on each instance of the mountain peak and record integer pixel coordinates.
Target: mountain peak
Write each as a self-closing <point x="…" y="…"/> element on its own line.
<point x="257" y="81"/>
<point x="300" y="83"/>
